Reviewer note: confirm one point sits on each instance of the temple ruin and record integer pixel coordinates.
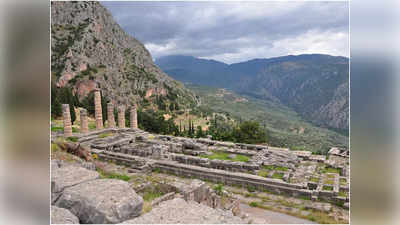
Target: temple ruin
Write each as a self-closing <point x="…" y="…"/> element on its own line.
<point x="265" y="168"/>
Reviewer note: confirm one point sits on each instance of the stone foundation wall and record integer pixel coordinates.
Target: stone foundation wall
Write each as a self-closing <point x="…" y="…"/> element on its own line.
<point x="238" y="179"/>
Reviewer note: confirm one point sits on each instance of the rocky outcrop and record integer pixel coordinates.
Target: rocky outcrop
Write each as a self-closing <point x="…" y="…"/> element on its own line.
<point x="102" y="201"/>
<point x="62" y="216"/>
<point x="79" y="191"/>
<point x="179" y="211"/>
<point x="90" y="50"/>
<point x="68" y="176"/>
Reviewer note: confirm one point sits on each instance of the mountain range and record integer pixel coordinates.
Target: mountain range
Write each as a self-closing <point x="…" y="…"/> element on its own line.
<point x="314" y="85"/>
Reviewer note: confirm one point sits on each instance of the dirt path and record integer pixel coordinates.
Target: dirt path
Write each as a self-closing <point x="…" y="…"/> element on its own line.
<point x="262" y="216"/>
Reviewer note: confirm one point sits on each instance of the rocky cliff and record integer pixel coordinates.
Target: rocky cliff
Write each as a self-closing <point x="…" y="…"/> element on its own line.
<point x="90" y="50"/>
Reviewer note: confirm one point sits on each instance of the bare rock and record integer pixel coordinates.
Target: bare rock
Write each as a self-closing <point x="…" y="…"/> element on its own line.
<point x="62" y="216"/>
<point x="68" y="176"/>
<point x="179" y="211"/>
<point x="102" y="201"/>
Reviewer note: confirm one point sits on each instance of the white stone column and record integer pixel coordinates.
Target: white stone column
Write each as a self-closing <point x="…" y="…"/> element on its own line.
<point x="110" y="115"/>
<point x="84" y="121"/>
<point x="98" y="112"/>
<point x="133" y="117"/>
<point x="121" y="117"/>
<point x="67" y="120"/>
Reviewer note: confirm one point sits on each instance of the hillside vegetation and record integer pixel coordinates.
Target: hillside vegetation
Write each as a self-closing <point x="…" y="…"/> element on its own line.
<point x="315" y="85"/>
<point x="284" y="127"/>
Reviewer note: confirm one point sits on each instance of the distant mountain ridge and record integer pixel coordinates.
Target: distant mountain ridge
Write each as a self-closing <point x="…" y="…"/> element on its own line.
<point x="314" y="85"/>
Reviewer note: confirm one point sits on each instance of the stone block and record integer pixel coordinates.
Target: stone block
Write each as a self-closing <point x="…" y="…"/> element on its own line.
<point x="102" y="201"/>
<point x="62" y="216"/>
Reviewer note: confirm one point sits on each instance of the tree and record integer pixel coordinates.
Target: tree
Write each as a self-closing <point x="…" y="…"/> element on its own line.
<point x="250" y="132"/>
<point x="199" y="132"/>
<point x="171" y="107"/>
<point x="56" y="108"/>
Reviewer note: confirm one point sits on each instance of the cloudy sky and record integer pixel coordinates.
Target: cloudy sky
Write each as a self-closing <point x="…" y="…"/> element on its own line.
<point x="236" y="31"/>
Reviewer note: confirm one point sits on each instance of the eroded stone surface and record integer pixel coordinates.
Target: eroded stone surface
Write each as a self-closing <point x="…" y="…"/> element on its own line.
<point x="62" y="216"/>
<point x="102" y="201"/>
<point x="68" y="176"/>
<point x="179" y="211"/>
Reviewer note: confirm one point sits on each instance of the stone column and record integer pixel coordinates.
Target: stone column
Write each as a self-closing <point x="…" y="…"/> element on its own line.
<point x="67" y="120"/>
<point x="110" y="115"/>
<point x="98" y="113"/>
<point x="133" y="117"/>
<point x="121" y="117"/>
<point x="84" y="121"/>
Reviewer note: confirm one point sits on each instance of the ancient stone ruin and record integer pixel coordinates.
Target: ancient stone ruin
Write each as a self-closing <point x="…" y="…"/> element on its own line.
<point x="298" y="174"/>
<point x="110" y="115"/>
<point x="98" y="111"/>
<point x="67" y="121"/>
<point x="121" y="117"/>
<point x="84" y="121"/>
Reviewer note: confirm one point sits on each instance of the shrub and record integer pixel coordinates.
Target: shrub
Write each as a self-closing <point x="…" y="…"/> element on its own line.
<point x="73" y="139"/>
<point x="327" y="188"/>
<point x="218" y="189"/>
<point x="253" y="204"/>
<point x="251" y="188"/>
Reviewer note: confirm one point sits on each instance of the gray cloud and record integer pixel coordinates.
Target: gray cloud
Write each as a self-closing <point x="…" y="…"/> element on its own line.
<point x="236" y="31"/>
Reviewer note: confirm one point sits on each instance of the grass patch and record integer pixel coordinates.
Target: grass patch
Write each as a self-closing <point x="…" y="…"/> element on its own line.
<point x="330" y="175"/>
<point x="305" y="197"/>
<point x="73" y="139"/>
<point x="330" y="170"/>
<point x="111" y="175"/>
<point x="314" y="179"/>
<point x="278" y="168"/>
<point x="55" y="129"/>
<point x="327" y="188"/>
<point x="91" y="126"/>
<point x="149" y="196"/>
<point x="329" y="181"/>
<point x="254" y="204"/>
<point x="241" y="158"/>
<point x="343" y="181"/>
<point x="75" y="130"/>
<point x="263" y="173"/>
<point x="103" y="135"/>
<point x="54" y="147"/>
<point x="342" y="194"/>
<point x="278" y="175"/>
<point x="225" y="156"/>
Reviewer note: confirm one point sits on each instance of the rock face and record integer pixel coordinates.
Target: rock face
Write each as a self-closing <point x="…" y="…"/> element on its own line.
<point x="179" y="211"/>
<point x="90" y="50"/>
<point x="102" y="201"/>
<point x="68" y="176"/>
<point x="62" y="216"/>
